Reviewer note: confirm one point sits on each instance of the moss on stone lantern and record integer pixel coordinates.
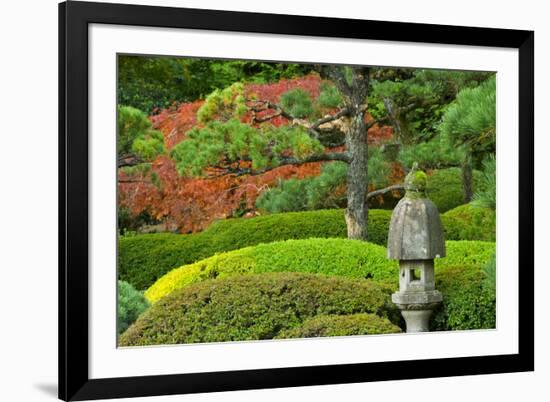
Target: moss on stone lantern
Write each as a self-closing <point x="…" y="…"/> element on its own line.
<point x="415" y="238"/>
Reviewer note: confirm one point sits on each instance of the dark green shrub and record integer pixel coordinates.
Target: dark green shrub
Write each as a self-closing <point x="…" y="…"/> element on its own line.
<point x="341" y="325"/>
<point x="238" y="233"/>
<point x="469" y="222"/>
<point x="142" y="259"/>
<point x="467" y="302"/>
<point x="131" y="304"/>
<point x="445" y="188"/>
<point x="252" y="307"/>
<point x="490" y="271"/>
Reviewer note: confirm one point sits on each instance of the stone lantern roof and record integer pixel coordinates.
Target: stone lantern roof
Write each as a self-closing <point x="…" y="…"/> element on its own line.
<point x="416" y="232"/>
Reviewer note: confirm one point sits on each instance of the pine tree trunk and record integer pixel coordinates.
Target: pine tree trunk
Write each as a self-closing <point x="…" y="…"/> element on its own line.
<point x="357" y="180"/>
<point x="355" y="93"/>
<point x="467" y="178"/>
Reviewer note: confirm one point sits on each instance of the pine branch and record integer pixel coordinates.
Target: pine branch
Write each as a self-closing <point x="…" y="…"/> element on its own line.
<point x="128" y="160"/>
<point x="383" y="191"/>
<point x="240" y="171"/>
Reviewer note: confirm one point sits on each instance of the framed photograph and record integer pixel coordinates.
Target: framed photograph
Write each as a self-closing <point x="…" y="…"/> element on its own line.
<point x="259" y="201"/>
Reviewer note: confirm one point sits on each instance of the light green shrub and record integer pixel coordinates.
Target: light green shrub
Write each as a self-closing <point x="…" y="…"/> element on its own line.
<point x="340" y="257"/>
<point x="466" y="253"/>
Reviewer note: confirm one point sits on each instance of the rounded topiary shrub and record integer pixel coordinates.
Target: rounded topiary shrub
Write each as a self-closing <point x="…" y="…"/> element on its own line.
<point x="341" y="257"/>
<point x="252" y="307"/>
<point x="469" y="222"/>
<point x="131" y="304"/>
<point x="445" y="187"/>
<point x="142" y="259"/>
<point x="342" y="325"/>
<point x="466" y="253"/>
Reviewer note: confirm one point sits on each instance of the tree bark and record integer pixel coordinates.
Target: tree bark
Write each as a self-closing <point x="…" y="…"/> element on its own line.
<point x="357" y="147"/>
<point x="357" y="180"/>
<point x="354" y="94"/>
<point x="467" y="178"/>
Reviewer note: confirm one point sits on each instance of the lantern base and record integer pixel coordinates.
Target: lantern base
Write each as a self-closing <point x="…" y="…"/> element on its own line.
<point x="417" y="320"/>
<point x="416" y="308"/>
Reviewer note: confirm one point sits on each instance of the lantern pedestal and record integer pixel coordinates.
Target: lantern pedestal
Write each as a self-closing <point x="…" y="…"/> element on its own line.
<point x="417" y="320"/>
<point x="416" y="308"/>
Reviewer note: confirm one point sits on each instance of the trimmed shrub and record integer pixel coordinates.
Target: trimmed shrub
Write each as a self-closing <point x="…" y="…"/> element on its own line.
<point x="466" y="253"/>
<point x="252" y="307"/>
<point x="445" y="188"/>
<point x="131" y="304"/>
<point x="467" y="302"/>
<point x="341" y="257"/>
<point x="341" y="325"/>
<point x="490" y="271"/>
<point x="470" y="222"/>
<point x="142" y="259"/>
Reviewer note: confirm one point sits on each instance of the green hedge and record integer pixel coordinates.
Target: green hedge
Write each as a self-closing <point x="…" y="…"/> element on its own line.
<point x="468" y="303"/>
<point x="470" y="222"/>
<point x="340" y="257"/>
<point x="252" y="307"/>
<point x="142" y="259"/>
<point x="445" y="187"/>
<point x="341" y="325"/>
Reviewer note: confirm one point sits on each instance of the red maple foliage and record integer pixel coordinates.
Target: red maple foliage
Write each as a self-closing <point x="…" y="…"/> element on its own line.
<point x="190" y="205"/>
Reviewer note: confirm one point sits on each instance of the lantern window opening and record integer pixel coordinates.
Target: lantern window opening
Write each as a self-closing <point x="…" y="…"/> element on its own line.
<point x="416" y="275"/>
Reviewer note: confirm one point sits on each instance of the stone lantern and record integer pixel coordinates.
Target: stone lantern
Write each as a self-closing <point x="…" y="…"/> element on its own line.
<point x="415" y="239"/>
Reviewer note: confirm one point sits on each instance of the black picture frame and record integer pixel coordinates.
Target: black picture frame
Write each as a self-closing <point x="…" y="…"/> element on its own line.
<point x="74" y="381"/>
